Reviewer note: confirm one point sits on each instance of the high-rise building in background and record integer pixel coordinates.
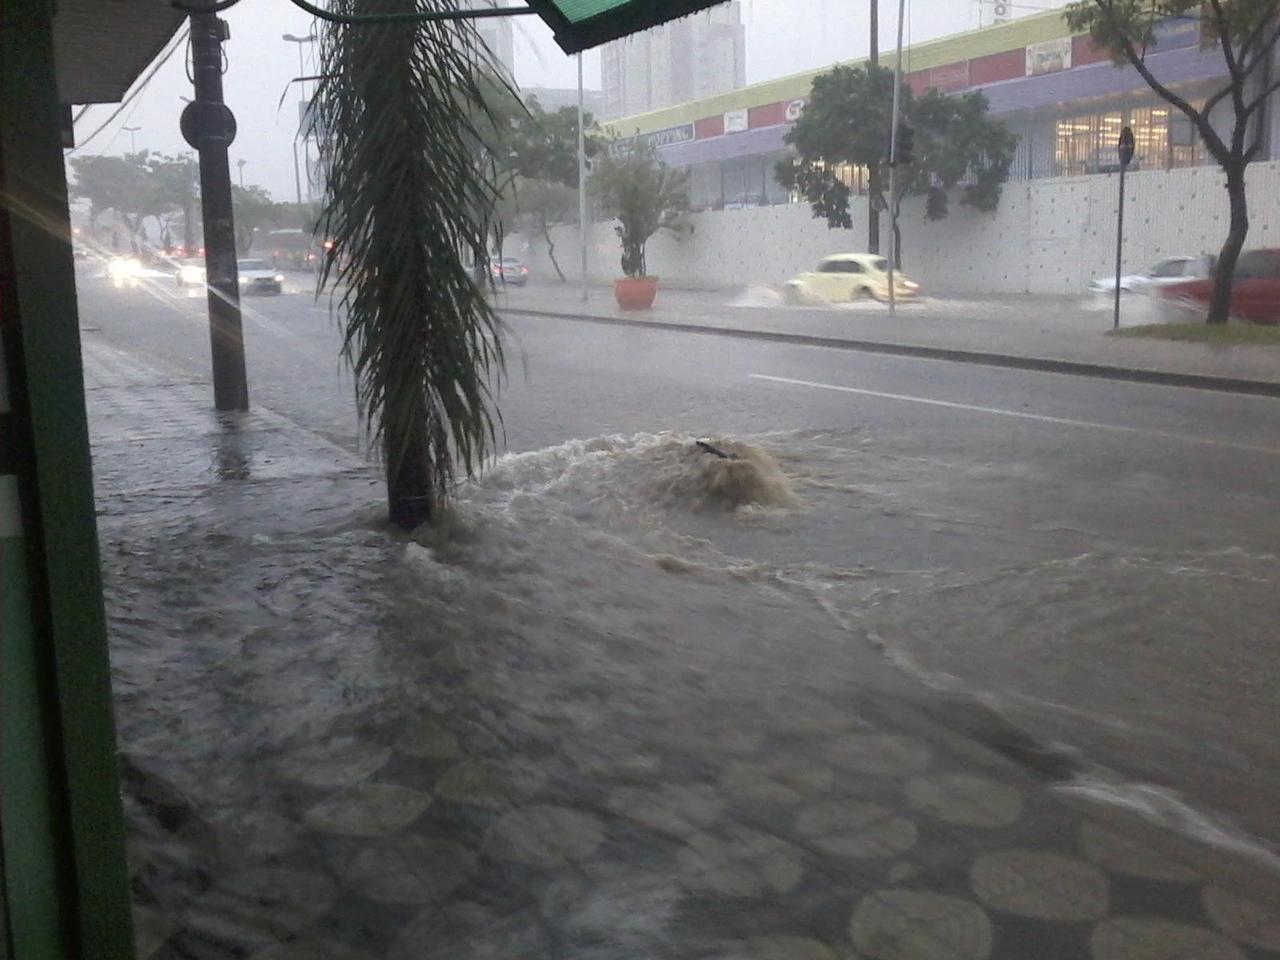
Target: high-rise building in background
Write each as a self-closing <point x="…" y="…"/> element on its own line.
<point x="498" y="34"/>
<point x="683" y="60"/>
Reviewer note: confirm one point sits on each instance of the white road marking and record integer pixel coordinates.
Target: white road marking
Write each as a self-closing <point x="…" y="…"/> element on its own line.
<point x="1020" y="415"/>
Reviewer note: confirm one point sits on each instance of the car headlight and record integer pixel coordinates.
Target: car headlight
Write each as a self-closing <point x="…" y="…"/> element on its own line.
<point x="190" y="274"/>
<point x="911" y="285"/>
<point x="243" y="279"/>
<point x="279" y="278"/>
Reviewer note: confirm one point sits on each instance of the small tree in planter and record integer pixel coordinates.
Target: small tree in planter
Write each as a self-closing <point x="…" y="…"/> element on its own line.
<point x="645" y="195"/>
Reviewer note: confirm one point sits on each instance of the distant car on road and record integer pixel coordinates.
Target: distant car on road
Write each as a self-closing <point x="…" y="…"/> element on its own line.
<point x="509" y="270"/>
<point x="190" y="272"/>
<point x="1166" y="272"/>
<point x="845" y="277"/>
<point x="1255" y="290"/>
<point x="258" y="276"/>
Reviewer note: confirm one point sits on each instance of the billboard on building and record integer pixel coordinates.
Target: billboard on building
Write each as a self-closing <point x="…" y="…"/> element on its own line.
<point x="1050" y="56"/>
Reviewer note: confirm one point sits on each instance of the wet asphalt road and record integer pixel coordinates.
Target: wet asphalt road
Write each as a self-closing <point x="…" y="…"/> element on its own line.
<point x="995" y="470"/>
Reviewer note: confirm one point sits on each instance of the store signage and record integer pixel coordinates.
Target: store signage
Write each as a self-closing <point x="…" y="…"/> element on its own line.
<point x="735" y="121"/>
<point x="658" y="138"/>
<point x="1051" y="56"/>
<point x="796" y="107"/>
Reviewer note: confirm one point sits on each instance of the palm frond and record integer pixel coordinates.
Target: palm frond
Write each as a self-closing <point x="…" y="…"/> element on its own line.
<point x="404" y="110"/>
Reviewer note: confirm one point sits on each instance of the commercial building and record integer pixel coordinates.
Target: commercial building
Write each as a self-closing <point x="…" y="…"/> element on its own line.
<point x="498" y="35"/>
<point x="1064" y="99"/>
<point x="684" y="60"/>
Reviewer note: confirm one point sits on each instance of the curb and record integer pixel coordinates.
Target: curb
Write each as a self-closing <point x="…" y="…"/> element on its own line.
<point x="1101" y="371"/>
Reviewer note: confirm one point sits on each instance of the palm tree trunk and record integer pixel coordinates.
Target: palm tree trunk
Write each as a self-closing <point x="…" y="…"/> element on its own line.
<point x="407" y="455"/>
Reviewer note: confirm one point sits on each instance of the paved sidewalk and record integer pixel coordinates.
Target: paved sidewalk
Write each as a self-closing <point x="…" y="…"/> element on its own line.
<point x="1050" y="333"/>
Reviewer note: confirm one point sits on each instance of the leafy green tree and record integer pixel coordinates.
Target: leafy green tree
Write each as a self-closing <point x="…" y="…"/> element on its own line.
<point x="847" y="120"/>
<point x="252" y="209"/>
<point x="172" y="183"/>
<point x="118" y="184"/>
<point x="408" y="204"/>
<point x="541" y="205"/>
<point x="543" y="149"/>
<point x="645" y="195"/>
<point x="1246" y="32"/>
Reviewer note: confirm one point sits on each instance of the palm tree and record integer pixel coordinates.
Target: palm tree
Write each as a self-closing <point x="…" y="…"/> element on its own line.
<point x="408" y="205"/>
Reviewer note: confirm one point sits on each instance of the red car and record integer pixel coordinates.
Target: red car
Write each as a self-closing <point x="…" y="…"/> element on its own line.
<point x="1255" y="293"/>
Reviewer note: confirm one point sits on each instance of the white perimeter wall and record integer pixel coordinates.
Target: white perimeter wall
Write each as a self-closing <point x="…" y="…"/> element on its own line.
<point x="1048" y="236"/>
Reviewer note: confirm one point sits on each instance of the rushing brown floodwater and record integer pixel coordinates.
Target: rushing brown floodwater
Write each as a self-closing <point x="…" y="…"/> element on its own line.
<point x="615" y="709"/>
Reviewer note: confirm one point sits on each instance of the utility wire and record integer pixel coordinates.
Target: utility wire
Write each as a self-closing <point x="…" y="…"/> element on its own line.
<point x="132" y="96"/>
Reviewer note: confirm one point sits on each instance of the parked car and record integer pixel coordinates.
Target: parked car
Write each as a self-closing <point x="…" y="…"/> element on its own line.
<point x="190" y="272"/>
<point x="510" y="270"/>
<point x="258" y="276"/>
<point x="1255" y="291"/>
<point x="1166" y="272"/>
<point x="848" y="276"/>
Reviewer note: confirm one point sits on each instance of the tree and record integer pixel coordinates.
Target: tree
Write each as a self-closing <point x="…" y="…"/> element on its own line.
<point x="173" y="182"/>
<point x="408" y="207"/>
<point x="541" y="204"/>
<point x="544" y="151"/>
<point x="643" y="194"/>
<point x="252" y="208"/>
<point x="847" y="121"/>
<point x="119" y="184"/>
<point x="1246" y="32"/>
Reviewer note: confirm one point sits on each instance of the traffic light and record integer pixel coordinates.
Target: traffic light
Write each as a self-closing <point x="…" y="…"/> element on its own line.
<point x="906" y="145"/>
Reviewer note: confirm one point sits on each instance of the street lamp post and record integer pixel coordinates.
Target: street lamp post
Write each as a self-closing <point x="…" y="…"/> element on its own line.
<point x="306" y="140"/>
<point x="240" y="168"/>
<point x="582" y="182"/>
<point x="133" y="137"/>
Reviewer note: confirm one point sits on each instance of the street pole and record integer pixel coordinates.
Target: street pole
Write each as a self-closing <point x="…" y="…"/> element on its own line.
<point x="582" y="181"/>
<point x="213" y="135"/>
<point x="240" y="168"/>
<point x="133" y="137"/>
<point x="873" y="174"/>
<point x="1124" y="152"/>
<point x="297" y="179"/>
<point x="893" y="160"/>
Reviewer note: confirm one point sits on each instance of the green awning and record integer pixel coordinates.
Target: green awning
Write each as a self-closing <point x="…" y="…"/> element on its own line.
<point x="581" y="24"/>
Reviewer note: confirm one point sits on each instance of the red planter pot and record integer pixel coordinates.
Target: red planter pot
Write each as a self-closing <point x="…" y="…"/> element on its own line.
<point x="635" y="293"/>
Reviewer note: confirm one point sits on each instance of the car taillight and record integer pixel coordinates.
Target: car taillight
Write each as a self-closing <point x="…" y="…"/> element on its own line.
<point x="524" y="269"/>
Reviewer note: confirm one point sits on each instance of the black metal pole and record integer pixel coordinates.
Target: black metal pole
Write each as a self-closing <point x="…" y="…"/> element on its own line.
<point x="226" y="334"/>
<point x="873" y="175"/>
<point x="1115" y="323"/>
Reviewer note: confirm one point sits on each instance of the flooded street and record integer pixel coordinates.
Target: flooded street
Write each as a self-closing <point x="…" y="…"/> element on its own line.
<point x="884" y="685"/>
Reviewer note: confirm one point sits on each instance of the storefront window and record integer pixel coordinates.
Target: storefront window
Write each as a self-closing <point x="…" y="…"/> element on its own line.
<point x="1087" y="143"/>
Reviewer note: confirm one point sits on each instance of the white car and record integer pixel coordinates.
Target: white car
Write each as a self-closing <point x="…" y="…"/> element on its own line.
<point x="1167" y="272"/>
<point x="848" y="276"/>
<point x="258" y="276"/>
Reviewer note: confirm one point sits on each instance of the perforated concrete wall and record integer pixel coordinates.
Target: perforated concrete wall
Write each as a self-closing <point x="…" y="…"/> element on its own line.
<point x="1048" y="236"/>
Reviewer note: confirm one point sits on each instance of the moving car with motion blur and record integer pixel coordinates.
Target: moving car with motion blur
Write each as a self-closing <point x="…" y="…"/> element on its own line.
<point x="258" y="276"/>
<point x="1255" y="291"/>
<point x="1164" y="273"/>
<point x="846" y="277"/>
<point x="190" y="272"/>
<point x="509" y="270"/>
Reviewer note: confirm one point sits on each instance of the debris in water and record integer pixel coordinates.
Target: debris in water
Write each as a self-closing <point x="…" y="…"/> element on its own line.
<point x="715" y="451"/>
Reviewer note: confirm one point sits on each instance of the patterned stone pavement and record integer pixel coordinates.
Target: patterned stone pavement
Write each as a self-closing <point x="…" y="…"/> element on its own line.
<point x="299" y="789"/>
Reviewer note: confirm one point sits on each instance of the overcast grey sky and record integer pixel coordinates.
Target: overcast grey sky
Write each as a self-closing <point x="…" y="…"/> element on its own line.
<point x="783" y="36"/>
